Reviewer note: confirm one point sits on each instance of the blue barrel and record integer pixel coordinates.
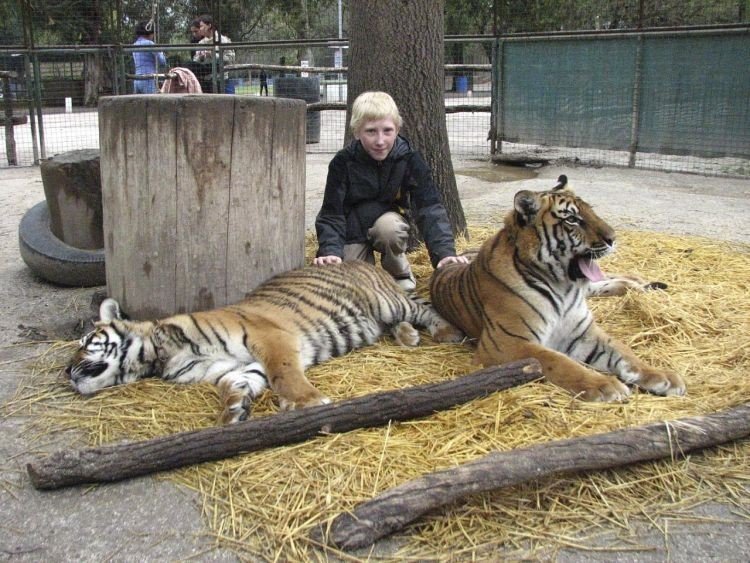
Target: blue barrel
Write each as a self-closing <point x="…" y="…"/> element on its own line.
<point x="231" y="84"/>
<point x="462" y="84"/>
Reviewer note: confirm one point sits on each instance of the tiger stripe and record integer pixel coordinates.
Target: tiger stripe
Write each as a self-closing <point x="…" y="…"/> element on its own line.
<point x="525" y="292"/>
<point x="292" y="321"/>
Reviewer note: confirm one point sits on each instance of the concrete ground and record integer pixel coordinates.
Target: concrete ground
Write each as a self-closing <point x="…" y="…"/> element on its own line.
<point x="148" y="519"/>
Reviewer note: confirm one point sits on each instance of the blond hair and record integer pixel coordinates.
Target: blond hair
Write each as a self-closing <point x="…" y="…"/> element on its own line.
<point x="372" y="106"/>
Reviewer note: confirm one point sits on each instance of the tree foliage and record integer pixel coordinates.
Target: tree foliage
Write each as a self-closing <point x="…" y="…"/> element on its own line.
<point x="67" y="22"/>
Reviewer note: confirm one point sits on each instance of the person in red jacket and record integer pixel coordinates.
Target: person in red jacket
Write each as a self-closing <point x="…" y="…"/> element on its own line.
<point x="371" y="185"/>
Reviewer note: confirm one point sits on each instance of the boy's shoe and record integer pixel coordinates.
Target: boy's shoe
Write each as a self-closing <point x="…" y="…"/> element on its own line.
<point x="408" y="283"/>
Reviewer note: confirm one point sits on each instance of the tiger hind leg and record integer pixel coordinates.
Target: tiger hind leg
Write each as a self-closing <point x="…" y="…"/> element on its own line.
<point x="426" y="316"/>
<point x="286" y="374"/>
<point x="238" y="389"/>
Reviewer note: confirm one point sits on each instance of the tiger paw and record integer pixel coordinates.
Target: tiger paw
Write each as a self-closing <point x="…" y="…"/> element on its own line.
<point x="601" y="388"/>
<point x="287" y="405"/>
<point x="662" y="382"/>
<point x="446" y="333"/>
<point x="405" y="334"/>
<point x="235" y="413"/>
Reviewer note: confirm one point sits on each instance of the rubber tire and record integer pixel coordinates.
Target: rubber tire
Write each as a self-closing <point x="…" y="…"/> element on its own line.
<point x="52" y="259"/>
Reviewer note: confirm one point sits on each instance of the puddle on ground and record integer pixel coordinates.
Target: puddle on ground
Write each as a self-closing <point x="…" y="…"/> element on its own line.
<point x="499" y="172"/>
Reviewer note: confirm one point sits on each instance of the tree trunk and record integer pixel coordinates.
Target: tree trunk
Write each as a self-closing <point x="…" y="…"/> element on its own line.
<point x="397" y="47"/>
<point x="93" y="69"/>
<point x="112" y="463"/>
<point x="196" y="200"/>
<point x="392" y="510"/>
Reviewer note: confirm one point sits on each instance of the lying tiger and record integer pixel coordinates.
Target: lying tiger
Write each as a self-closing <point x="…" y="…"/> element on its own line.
<point x="287" y="324"/>
<point x="524" y="295"/>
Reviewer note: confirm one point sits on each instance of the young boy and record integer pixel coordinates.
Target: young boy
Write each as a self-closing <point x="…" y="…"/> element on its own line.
<point x="371" y="184"/>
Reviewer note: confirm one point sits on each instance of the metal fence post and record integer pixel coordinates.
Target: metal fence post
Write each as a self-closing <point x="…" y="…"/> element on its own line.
<point x="497" y="98"/>
<point x="30" y="100"/>
<point x="636" y="112"/>
<point x="38" y="104"/>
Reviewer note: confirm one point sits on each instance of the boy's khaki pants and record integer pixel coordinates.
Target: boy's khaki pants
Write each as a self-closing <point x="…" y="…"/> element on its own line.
<point x="389" y="236"/>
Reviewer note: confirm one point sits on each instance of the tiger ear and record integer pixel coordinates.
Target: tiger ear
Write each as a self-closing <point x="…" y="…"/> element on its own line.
<point x="526" y="204"/>
<point x="109" y="310"/>
<point x="562" y="181"/>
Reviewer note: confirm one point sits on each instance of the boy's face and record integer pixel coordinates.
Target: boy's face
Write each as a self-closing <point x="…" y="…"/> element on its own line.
<point x="377" y="137"/>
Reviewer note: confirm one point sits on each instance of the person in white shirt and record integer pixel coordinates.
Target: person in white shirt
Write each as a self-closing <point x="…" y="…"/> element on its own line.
<point x="211" y="36"/>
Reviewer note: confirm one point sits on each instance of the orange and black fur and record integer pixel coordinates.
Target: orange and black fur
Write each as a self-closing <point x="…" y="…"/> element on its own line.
<point x="287" y="324"/>
<point x="524" y="295"/>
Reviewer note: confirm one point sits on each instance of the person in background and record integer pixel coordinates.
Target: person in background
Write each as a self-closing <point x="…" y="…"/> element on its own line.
<point x="210" y="35"/>
<point x="371" y="185"/>
<point x="146" y="62"/>
<point x="195" y="34"/>
<point x="263" y="82"/>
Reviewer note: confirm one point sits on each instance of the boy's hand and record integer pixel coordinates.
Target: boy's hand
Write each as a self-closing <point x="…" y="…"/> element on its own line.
<point x="453" y="260"/>
<point x="323" y="260"/>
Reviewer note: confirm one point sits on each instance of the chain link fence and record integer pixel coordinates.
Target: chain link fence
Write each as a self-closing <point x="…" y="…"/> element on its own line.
<point x="531" y="89"/>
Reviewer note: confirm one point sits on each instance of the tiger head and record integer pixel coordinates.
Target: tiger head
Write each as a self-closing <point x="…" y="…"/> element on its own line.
<point x="117" y="351"/>
<point x="556" y="229"/>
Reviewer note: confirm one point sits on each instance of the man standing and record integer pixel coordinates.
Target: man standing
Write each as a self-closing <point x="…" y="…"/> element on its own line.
<point x="146" y="62"/>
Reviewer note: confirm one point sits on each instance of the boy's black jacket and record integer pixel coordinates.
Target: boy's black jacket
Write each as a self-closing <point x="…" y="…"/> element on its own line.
<point x="360" y="189"/>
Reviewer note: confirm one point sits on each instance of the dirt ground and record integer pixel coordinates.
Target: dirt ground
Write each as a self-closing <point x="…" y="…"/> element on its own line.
<point x="151" y="519"/>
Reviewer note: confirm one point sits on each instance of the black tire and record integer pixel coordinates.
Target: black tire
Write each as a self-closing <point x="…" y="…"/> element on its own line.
<point x="52" y="259"/>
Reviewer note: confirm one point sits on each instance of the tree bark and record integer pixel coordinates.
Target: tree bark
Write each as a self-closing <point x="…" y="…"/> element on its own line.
<point x="192" y="200"/>
<point x="397" y="47"/>
<point x="394" y="509"/>
<point x="93" y="62"/>
<point x="73" y="190"/>
<point x="116" y="462"/>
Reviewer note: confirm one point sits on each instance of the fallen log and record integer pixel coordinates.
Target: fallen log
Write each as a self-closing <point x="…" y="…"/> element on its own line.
<point x="122" y="461"/>
<point x="392" y="510"/>
<point x="519" y="159"/>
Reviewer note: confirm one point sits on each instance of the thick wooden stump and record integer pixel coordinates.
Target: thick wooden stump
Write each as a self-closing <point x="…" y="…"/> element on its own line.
<point x="203" y="197"/>
<point x="73" y="190"/>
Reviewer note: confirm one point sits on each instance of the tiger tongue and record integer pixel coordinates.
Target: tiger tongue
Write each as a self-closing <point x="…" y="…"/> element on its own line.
<point x="590" y="269"/>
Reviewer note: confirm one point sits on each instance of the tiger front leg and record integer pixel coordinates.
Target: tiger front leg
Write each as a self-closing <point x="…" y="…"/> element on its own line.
<point x="557" y="368"/>
<point x="238" y="389"/>
<point x="619" y="359"/>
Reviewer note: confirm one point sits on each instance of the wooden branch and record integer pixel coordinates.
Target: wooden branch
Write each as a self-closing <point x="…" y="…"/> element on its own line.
<point x="395" y="508"/>
<point x="519" y="159"/>
<point x="466" y="108"/>
<point x="287" y="69"/>
<point x="322" y="106"/>
<point x="455" y="67"/>
<point x="121" y="461"/>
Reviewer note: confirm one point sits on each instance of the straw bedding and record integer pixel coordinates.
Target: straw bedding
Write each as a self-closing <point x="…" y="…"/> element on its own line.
<point x="264" y="504"/>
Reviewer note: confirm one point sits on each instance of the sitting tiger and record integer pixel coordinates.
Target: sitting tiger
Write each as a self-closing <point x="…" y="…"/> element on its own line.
<point x="285" y="325"/>
<point x="524" y="295"/>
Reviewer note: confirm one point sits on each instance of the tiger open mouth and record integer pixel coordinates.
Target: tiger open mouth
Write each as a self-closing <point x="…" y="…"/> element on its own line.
<point x="585" y="266"/>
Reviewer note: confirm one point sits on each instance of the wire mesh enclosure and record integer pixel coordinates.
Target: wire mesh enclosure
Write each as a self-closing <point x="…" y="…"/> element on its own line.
<point x="665" y="100"/>
<point x="612" y="82"/>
